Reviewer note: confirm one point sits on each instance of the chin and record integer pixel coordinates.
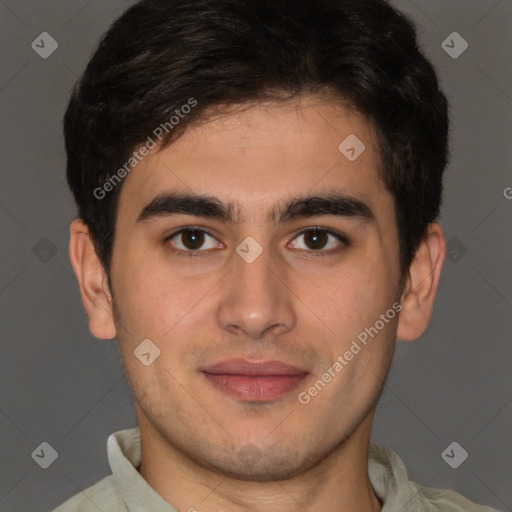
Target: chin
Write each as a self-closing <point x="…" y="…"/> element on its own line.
<point x="255" y="464"/>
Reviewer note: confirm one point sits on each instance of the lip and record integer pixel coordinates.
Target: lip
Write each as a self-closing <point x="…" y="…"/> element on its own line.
<point x="263" y="368"/>
<point x="254" y="381"/>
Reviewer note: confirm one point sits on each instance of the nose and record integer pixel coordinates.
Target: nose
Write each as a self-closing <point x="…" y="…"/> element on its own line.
<point x="256" y="301"/>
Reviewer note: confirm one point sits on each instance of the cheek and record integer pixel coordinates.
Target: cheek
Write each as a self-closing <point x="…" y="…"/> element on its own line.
<point x="353" y="299"/>
<point x="152" y="297"/>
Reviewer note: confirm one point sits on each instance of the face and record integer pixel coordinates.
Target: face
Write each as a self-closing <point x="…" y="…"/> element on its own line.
<point x="258" y="274"/>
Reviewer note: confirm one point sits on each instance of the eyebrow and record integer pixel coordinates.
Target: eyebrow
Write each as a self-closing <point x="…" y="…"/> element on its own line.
<point x="335" y="204"/>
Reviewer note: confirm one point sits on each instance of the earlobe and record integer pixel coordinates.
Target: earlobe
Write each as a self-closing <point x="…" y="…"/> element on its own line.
<point x="92" y="279"/>
<point x="421" y="285"/>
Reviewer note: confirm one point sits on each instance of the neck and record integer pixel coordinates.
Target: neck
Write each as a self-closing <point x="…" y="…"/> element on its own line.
<point x="338" y="483"/>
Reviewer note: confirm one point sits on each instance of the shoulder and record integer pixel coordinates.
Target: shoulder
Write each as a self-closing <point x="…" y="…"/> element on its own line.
<point x="390" y="481"/>
<point x="103" y="496"/>
<point x="446" y="500"/>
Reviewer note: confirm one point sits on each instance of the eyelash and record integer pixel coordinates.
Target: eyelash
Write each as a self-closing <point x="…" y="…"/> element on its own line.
<point x="315" y="254"/>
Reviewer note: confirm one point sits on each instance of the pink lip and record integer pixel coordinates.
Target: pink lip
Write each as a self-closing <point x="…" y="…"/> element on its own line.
<point x="257" y="382"/>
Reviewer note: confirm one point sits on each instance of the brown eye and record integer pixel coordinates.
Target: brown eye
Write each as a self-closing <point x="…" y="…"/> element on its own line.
<point x="193" y="240"/>
<point x="316" y="239"/>
<point x="320" y="240"/>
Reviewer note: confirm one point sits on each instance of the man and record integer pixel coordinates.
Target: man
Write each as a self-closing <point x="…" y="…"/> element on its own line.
<point x="258" y="184"/>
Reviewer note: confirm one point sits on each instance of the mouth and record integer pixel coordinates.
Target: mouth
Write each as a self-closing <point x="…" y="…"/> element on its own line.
<point x="254" y="382"/>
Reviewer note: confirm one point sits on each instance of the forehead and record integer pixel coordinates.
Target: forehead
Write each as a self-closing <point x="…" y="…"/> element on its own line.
<point x="258" y="155"/>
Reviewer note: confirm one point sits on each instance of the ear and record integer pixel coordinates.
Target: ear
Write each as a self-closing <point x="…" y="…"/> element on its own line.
<point x="93" y="282"/>
<point x="421" y="285"/>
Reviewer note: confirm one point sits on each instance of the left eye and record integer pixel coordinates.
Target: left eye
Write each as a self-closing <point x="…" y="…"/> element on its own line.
<point x="318" y="239"/>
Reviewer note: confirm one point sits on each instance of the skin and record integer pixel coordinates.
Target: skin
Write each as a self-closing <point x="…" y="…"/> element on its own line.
<point x="200" y="447"/>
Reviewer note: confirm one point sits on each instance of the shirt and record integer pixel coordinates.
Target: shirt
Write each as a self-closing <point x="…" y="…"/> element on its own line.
<point x="125" y="490"/>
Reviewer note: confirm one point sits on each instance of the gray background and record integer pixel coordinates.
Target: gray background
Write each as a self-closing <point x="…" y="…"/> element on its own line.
<point x="61" y="385"/>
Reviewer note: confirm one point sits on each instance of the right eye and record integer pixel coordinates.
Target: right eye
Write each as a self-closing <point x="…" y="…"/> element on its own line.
<point x="191" y="241"/>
